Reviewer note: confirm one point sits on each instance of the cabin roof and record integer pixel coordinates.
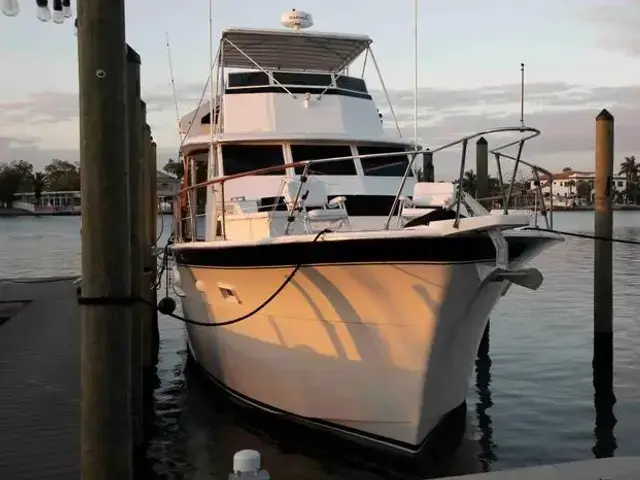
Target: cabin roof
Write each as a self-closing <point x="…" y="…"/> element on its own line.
<point x="291" y="50"/>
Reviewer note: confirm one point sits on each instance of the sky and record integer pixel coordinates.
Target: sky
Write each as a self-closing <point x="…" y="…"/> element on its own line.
<point x="581" y="56"/>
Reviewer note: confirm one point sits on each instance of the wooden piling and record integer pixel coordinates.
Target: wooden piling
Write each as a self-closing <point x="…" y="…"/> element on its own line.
<point x="106" y="443"/>
<point x="149" y="258"/>
<point x="603" y="254"/>
<point x="137" y="242"/>
<point x="153" y="240"/>
<point x="603" y="285"/>
<point x="482" y="170"/>
<point x="604" y="396"/>
<point x="428" y="170"/>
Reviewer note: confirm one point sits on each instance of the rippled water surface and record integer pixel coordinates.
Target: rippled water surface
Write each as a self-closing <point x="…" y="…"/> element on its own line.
<point x="531" y="402"/>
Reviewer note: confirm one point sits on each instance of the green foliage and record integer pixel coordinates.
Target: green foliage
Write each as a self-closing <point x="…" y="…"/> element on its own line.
<point x="631" y="170"/>
<point x="583" y="190"/>
<point x="39" y="183"/>
<point x="174" y="168"/>
<point x="14" y="178"/>
<point x="62" y="176"/>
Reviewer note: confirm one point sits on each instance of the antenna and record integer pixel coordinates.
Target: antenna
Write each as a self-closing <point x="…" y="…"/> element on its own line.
<point x="173" y="88"/>
<point x="212" y="170"/>
<point x="415" y="73"/>
<point x="522" y="95"/>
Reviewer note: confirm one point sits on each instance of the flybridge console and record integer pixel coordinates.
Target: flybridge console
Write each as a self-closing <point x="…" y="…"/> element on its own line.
<point x="296" y="20"/>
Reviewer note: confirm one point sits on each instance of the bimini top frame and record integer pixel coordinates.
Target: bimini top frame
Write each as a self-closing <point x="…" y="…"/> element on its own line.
<point x="279" y="50"/>
<point x="291" y="50"/>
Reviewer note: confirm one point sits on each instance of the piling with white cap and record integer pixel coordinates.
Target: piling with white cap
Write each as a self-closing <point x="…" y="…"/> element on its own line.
<point x="246" y="464"/>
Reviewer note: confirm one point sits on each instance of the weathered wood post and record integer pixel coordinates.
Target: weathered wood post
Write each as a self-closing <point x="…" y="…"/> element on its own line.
<point x="604" y="397"/>
<point x="603" y="257"/>
<point x="106" y="443"/>
<point x="137" y="242"/>
<point x="153" y="240"/>
<point x="482" y="192"/>
<point x="482" y="171"/>
<point x="603" y="254"/>
<point x="149" y="258"/>
<point x="428" y="171"/>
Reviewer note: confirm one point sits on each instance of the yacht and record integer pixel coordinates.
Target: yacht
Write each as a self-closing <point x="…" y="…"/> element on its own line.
<point x="326" y="283"/>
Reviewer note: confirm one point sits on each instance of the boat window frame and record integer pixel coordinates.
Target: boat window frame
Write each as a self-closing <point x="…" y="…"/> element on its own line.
<point x="273" y="82"/>
<point x="298" y="170"/>
<point x="280" y="173"/>
<point x="382" y="146"/>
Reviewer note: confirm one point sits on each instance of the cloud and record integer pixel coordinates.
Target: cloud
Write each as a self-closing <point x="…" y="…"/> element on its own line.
<point x="44" y="125"/>
<point x="617" y="24"/>
<point x="565" y="114"/>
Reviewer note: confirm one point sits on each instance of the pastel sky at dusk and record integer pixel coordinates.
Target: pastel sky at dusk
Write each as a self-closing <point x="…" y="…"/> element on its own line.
<point x="580" y="55"/>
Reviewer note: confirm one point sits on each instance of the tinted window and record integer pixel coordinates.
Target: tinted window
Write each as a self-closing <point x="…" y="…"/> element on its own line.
<point x="310" y="79"/>
<point x="248" y="79"/>
<point x="392" y="166"/>
<point x="316" y="152"/>
<point x="351" y="83"/>
<point x="244" y="158"/>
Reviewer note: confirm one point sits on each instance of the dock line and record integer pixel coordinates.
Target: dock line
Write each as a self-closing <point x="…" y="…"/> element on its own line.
<point x="585" y="235"/>
<point x="167" y="305"/>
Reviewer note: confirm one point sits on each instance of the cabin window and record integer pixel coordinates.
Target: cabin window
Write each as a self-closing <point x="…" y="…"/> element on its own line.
<point x="300" y="153"/>
<point x="351" y="83"/>
<point x="391" y="166"/>
<point x="247" y="79"/>
<point x="244" y="158"/>
<point x="305" y="79"/>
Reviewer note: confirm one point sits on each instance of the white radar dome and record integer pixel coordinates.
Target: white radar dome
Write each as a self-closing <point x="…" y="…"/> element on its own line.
<point x="296" y="20"/>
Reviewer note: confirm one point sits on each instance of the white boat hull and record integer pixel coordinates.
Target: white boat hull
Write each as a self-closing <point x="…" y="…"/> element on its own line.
<point x="385" y="351"/>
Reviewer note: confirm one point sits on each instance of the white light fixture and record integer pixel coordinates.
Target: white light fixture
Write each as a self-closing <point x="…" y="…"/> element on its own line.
<point x="42" y="11"/>
<point x="10" y="8"/>
<point x="58" y="17"/>
<point x="66" y="8"/>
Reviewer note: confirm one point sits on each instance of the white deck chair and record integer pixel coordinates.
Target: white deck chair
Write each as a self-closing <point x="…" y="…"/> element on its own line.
<point x="313" y="204"/>
<point x="427" y="197"/>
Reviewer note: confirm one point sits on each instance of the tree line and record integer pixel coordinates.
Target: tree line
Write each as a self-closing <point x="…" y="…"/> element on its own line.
<point x="20" y="176"/>
<point x="629" y="169"/>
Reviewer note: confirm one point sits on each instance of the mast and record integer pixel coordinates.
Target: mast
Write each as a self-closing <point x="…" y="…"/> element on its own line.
<point x="415" y="72"/>
<point x="173" y="89"/>
<point x="522" y="95"/>
<point x="212" y="164"/>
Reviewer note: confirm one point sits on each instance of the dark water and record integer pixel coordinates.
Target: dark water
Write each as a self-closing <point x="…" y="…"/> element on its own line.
<point x="530" y="402"/>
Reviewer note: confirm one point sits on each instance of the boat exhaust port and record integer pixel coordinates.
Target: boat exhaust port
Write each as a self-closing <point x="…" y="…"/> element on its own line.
<point x="229" y="293"/>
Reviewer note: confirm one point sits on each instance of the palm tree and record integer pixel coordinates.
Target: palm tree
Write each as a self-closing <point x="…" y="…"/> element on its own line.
<point x="38" y="184"/>
<point x="630" y="169"/>
<point x="571" y="184"/>
<point x="469" y="182"/>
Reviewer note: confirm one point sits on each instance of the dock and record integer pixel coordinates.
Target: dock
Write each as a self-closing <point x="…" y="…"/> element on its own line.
<point x="40" y="387"/>
<point x="621" y="468"/>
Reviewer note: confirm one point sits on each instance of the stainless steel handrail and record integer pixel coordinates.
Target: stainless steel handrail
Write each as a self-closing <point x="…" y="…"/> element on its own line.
<point x="530" y="131"/>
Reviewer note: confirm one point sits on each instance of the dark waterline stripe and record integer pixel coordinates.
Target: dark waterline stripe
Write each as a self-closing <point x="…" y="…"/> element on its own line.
<point x="475" y="248"/>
